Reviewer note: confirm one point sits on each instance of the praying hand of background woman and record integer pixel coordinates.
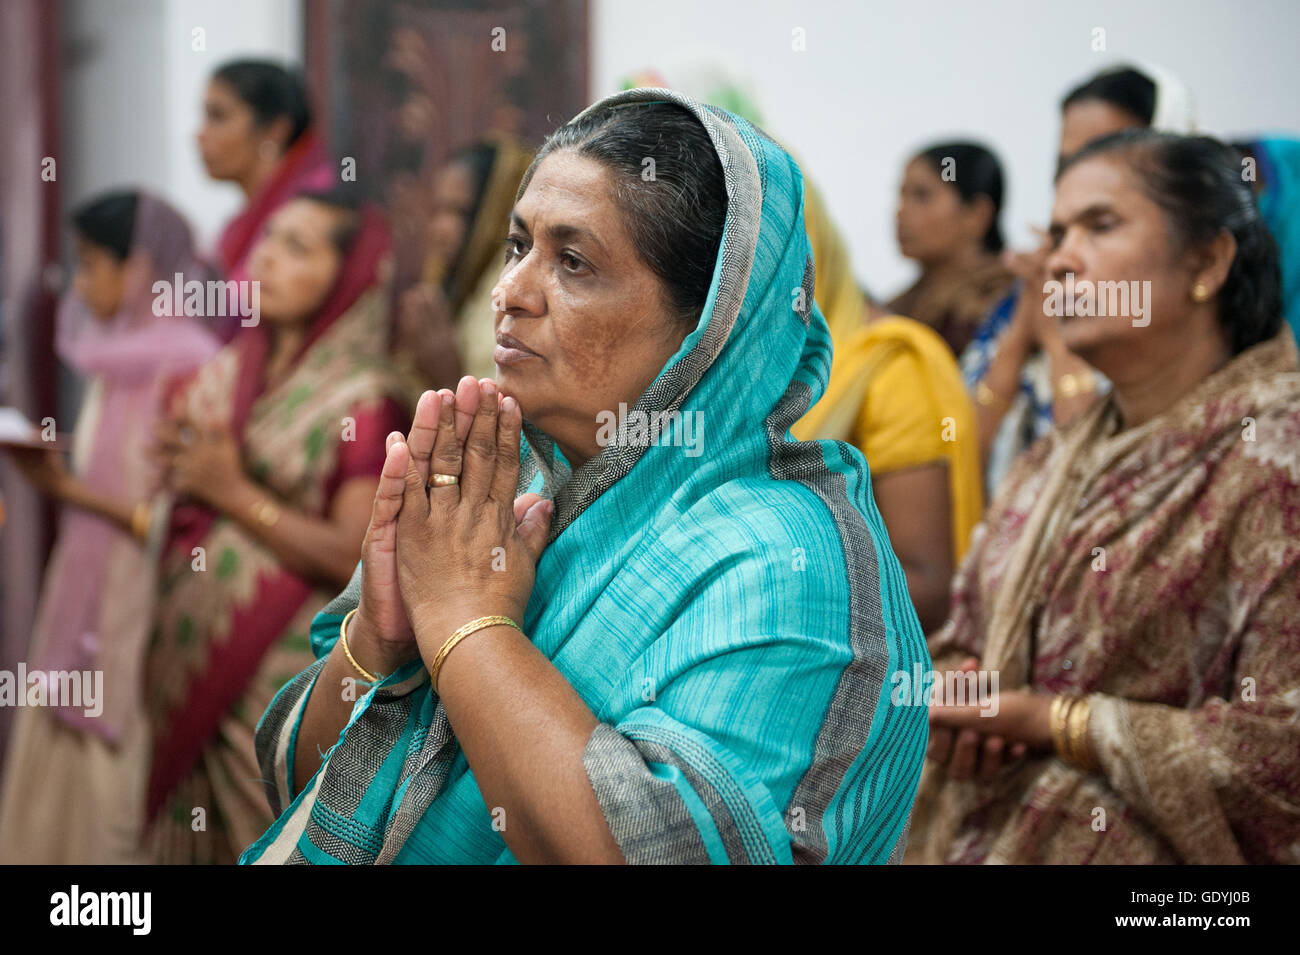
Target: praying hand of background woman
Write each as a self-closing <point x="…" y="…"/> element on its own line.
<point x="426" y="330"/>
<point x="204" y="464"/>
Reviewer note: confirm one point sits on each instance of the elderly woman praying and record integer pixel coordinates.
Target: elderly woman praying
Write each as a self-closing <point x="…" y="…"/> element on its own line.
<point x="562" y="647"/>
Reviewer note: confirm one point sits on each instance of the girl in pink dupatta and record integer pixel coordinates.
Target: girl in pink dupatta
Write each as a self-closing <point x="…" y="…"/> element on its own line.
<point x="277" y="445"/>
<point x="257" y="133"/>
<point x="73" y="789"/>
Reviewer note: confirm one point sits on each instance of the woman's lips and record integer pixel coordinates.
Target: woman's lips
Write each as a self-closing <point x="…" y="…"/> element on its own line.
<point x="511" y="350"/>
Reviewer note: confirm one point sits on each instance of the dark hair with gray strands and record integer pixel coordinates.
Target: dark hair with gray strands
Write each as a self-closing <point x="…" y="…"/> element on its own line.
<point x="1197" y="181"/>
<point x="676" y="218"/>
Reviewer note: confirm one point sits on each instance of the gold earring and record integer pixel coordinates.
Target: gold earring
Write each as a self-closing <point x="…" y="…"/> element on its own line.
<point x="1200" y="292"/>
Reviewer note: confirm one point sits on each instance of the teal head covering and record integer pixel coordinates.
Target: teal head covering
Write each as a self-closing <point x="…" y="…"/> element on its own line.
<point x="1279" y="205"/>
<point x="722" y="597"/>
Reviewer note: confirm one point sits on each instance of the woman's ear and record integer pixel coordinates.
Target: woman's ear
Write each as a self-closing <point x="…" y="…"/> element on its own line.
<point x="278" y="130"/>
<point x="678" y="327"/>
<point x="1212" y="262"/>
<point x="978" y="214"/>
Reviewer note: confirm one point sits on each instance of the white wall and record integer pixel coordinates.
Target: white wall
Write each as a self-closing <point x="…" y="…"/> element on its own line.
<point x="876" y="81"/>
<point x="880" y="79"/>
<point x="133" y="89"/>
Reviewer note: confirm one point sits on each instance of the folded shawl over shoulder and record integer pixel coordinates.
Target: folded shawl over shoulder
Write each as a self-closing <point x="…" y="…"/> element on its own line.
<point x="722" y="596"/>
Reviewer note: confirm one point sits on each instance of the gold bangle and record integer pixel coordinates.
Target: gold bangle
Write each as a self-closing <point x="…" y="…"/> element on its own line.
<point x="1080" y="754"/>
<point x="1073" y="384"/>
<point x="141" y="519"/>
<point x="266" y="512"/>
<point x="343" y="639"/>
<point x="989" y="398"/>
<point x="1056" y="720"/>
<point x="480" y="623"/>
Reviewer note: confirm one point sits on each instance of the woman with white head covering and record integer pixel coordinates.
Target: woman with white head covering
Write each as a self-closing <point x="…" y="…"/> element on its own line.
<point x="1125" y="97"/>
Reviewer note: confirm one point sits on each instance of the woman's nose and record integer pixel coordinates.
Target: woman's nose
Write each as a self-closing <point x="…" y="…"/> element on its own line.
<point x="259" y="262"/>
<point x="518" y="291"/>
<point x="1064" y="258"/>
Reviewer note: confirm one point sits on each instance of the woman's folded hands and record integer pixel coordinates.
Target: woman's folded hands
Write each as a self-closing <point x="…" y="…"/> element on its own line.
<point x="448" y="540"/>
<point x="976" y="741"/>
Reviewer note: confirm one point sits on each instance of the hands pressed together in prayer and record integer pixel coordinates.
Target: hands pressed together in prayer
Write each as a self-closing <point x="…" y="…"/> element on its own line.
<point x="1030" y="320"/>
<point x="202" y="462"/>
<point x="973" y="744"/>
<point x="439" y="555"/>
<point x="427" y="332"/>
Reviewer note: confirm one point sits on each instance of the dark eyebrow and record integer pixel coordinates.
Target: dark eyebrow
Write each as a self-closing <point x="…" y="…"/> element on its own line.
<point x="562" y="232"/>
<point x="287" y="232"/>
<point x="1090" y="212"/>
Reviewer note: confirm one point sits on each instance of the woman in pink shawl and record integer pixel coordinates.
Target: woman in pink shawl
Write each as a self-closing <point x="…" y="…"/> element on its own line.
<point x="73" y="790"/>
<point x="257" y="133"/>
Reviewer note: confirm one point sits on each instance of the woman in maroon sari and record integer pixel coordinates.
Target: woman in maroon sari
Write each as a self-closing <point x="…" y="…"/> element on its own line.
<point x="257" y="133"/>
<point x="276" y="446"/>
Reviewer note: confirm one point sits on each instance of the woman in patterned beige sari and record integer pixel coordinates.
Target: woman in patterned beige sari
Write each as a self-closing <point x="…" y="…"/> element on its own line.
<point x="1136" y="584"/>
<point x="276" y="446"/>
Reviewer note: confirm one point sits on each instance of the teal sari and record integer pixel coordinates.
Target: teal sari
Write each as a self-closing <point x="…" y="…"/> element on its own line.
<point x="728" y="607"/>
<point x="1279" y="205"/>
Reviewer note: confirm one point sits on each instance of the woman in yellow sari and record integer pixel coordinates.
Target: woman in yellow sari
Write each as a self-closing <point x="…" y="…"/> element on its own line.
<point x="897" y="395"/>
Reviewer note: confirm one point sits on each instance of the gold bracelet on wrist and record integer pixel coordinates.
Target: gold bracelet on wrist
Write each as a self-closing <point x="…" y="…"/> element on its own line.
<point x="479" y="623"/>
<point x="989" y="398"/>
<point x="266" y="512"/>
<point x="1056" y="717"/>
<point x="343" y="639"/>
<point x="141" y="519"/>
<point x="1073" y="384"/>
<point x="1080" y="754"/>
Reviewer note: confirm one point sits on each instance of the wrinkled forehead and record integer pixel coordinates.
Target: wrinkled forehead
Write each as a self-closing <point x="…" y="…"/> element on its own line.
<point x="571" y="198"/>
<point x="741" y="154"/>
<point x="566" y="177"/>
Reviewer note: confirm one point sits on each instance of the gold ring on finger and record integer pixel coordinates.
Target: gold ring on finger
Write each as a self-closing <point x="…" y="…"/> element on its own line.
<point x="443" y="480"/>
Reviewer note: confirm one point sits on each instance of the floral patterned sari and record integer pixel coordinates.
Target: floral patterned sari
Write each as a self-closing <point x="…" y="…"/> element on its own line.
<point x="231" y="625"/>
<point x="1156" y="570"/>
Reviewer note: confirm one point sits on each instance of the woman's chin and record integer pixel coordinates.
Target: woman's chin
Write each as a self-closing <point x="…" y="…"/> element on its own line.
<point x="1092" y="339"/>
<point x="1080" y="332"/>
<point x="511" y="383"/>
